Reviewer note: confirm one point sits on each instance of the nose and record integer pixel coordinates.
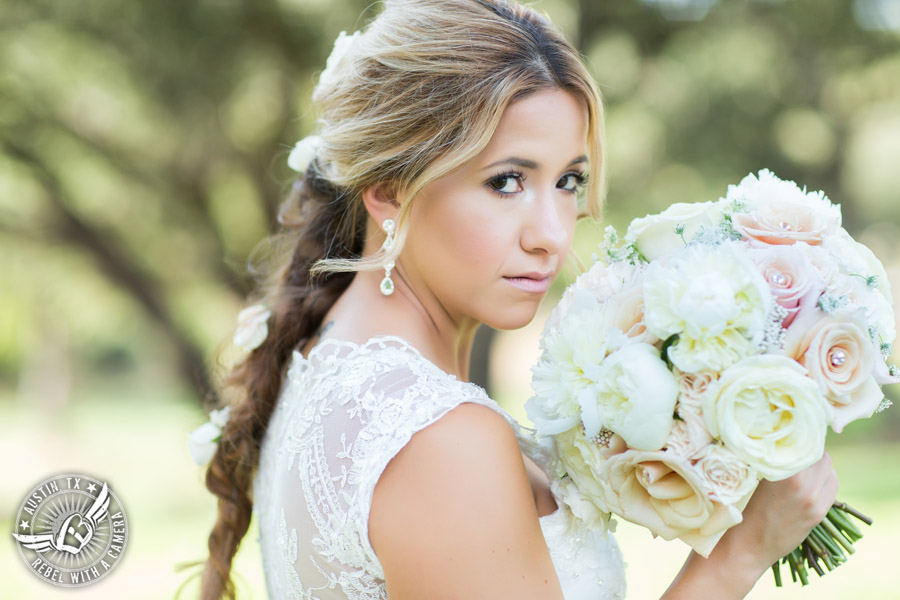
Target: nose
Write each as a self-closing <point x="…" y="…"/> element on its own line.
<point x="549" y="225"/>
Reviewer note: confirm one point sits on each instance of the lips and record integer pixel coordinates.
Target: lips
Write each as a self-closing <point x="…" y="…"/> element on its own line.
<point x="537" y="283"/>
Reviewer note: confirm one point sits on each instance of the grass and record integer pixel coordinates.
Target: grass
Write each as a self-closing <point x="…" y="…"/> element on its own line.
<point x="138" y="446"/>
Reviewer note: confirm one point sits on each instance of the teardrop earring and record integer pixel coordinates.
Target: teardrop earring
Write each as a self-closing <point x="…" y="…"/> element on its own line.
<point x="387" y="285"/>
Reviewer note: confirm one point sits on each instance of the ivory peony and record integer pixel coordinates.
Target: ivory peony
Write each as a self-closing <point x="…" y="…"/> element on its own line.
<point x="566" y="374"/>
<point x="635" y="397"/>
<point x="714" y="299"/>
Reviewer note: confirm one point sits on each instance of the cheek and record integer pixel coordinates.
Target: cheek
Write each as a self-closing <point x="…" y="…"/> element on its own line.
<point x="473" y="241"/>
<point x="477" y="242"/>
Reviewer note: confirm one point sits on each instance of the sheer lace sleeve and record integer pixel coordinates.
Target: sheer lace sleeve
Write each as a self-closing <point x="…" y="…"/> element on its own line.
<point x="343" y="415"/>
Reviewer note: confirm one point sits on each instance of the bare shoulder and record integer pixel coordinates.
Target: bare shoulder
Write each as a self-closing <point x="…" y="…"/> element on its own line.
<point x="453" y="514"/>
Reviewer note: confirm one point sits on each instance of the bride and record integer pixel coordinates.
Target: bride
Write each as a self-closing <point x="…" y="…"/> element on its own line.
<point x="458" y="142"/>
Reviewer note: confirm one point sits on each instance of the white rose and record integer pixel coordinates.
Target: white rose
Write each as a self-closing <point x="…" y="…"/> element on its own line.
<point x="571" y="353"/>
<point x="634" y="396"/>
<point x="731" y="479"/>
<point x="655" y="235"/>
<point x="713" y="298"/>
<point x="252" y="328"/>
<point x="578" y="483"/>
<point x="821" y="259"/>
<point x="768" y="412"/>
<point x="779" y="212"/>
<point x="857" y="263"/>
<point x="668" y="496"/>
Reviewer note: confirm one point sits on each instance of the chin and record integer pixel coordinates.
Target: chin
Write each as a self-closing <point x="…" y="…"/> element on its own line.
<point x="514" y="317"/>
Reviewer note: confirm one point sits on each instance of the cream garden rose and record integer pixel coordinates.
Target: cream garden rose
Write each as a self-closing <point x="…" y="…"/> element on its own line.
<point x="769" y="413"/>
<point x="714" y="298"/>
<point x="655" y="235"/>
<point x="668" y="496"/>
<point x="838" y="354"/>
<point x="779" y="212"/>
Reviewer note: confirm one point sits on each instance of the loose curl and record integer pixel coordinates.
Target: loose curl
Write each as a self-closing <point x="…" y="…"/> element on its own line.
<point x="419" y="93"/>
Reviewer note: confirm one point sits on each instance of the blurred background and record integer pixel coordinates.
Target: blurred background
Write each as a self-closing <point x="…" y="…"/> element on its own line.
<point x="143" y="152"/>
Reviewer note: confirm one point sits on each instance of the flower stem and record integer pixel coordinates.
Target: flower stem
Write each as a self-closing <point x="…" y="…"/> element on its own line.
<point x="829" y="543"/>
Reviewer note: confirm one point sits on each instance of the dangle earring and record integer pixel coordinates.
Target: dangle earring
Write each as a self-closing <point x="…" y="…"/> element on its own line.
<point x="387" y="286"/>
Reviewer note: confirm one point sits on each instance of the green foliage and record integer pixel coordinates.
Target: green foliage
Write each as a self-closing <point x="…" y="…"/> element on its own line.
<point x="142" y="145"/>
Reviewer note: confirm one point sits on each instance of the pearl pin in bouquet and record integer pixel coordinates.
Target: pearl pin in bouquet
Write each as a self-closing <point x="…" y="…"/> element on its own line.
<point x="710" y="348"/>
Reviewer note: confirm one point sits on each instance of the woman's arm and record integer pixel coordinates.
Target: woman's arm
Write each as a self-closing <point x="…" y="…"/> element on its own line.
<point x="453" y="515"/>
<point x="778" y="518"/>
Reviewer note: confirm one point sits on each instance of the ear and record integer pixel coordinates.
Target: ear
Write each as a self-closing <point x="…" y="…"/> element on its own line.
<point x="381" y="202"/>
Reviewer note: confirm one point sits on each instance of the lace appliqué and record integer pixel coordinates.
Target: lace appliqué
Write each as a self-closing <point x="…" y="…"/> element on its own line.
<point x="344" y="413"/>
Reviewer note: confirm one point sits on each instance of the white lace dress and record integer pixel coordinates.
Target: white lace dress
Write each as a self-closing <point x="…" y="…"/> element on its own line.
<point x="344" y="413"/>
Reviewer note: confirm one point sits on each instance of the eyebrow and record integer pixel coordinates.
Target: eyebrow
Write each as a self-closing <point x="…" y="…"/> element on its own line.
<point x="529" y="164"/>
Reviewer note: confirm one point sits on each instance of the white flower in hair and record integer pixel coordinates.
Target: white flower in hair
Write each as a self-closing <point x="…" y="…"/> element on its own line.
<point x="341" y="46"/>
<point x="252" y="327"/>
<point x="203" y="441"/>
<point x="303" y="153"/>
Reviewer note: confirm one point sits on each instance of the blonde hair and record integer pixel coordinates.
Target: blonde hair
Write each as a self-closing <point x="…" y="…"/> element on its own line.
<point x="418" y="93"/>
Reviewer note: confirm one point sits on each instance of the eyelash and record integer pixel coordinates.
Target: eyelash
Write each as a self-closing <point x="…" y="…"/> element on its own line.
<point x="580" y="181"/>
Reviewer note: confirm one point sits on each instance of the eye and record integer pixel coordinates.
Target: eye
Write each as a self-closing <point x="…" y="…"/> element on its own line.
<point x="572" y="182"/>
<point x="506" y="183"/>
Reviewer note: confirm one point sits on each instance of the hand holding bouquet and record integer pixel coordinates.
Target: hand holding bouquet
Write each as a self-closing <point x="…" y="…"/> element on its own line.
<point x="712" y="348"/>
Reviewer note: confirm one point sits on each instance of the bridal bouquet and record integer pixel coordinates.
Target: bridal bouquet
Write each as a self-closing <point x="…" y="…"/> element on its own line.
<point x="712" y="347"/>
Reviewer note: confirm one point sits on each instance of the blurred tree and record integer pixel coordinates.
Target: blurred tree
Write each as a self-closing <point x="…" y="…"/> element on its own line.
<point x="145" y="141"/>
<point x="147" y="136"/>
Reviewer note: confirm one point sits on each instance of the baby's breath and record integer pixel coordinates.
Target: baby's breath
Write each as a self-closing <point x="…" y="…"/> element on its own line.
<point x="829" y="303"/>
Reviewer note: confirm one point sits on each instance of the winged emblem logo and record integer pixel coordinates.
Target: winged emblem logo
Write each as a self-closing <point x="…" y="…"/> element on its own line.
<point x="74" y="533"/>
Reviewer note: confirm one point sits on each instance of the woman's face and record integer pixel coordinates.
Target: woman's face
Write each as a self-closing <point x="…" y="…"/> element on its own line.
<point x="485" y="242"/>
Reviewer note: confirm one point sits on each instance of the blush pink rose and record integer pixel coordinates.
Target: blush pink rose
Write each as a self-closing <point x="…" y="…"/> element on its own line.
<point x="794" y="281"/>
<point x="838" y="354"/>
<point x="783" y="223"/>
<point x="780" y="213"/>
